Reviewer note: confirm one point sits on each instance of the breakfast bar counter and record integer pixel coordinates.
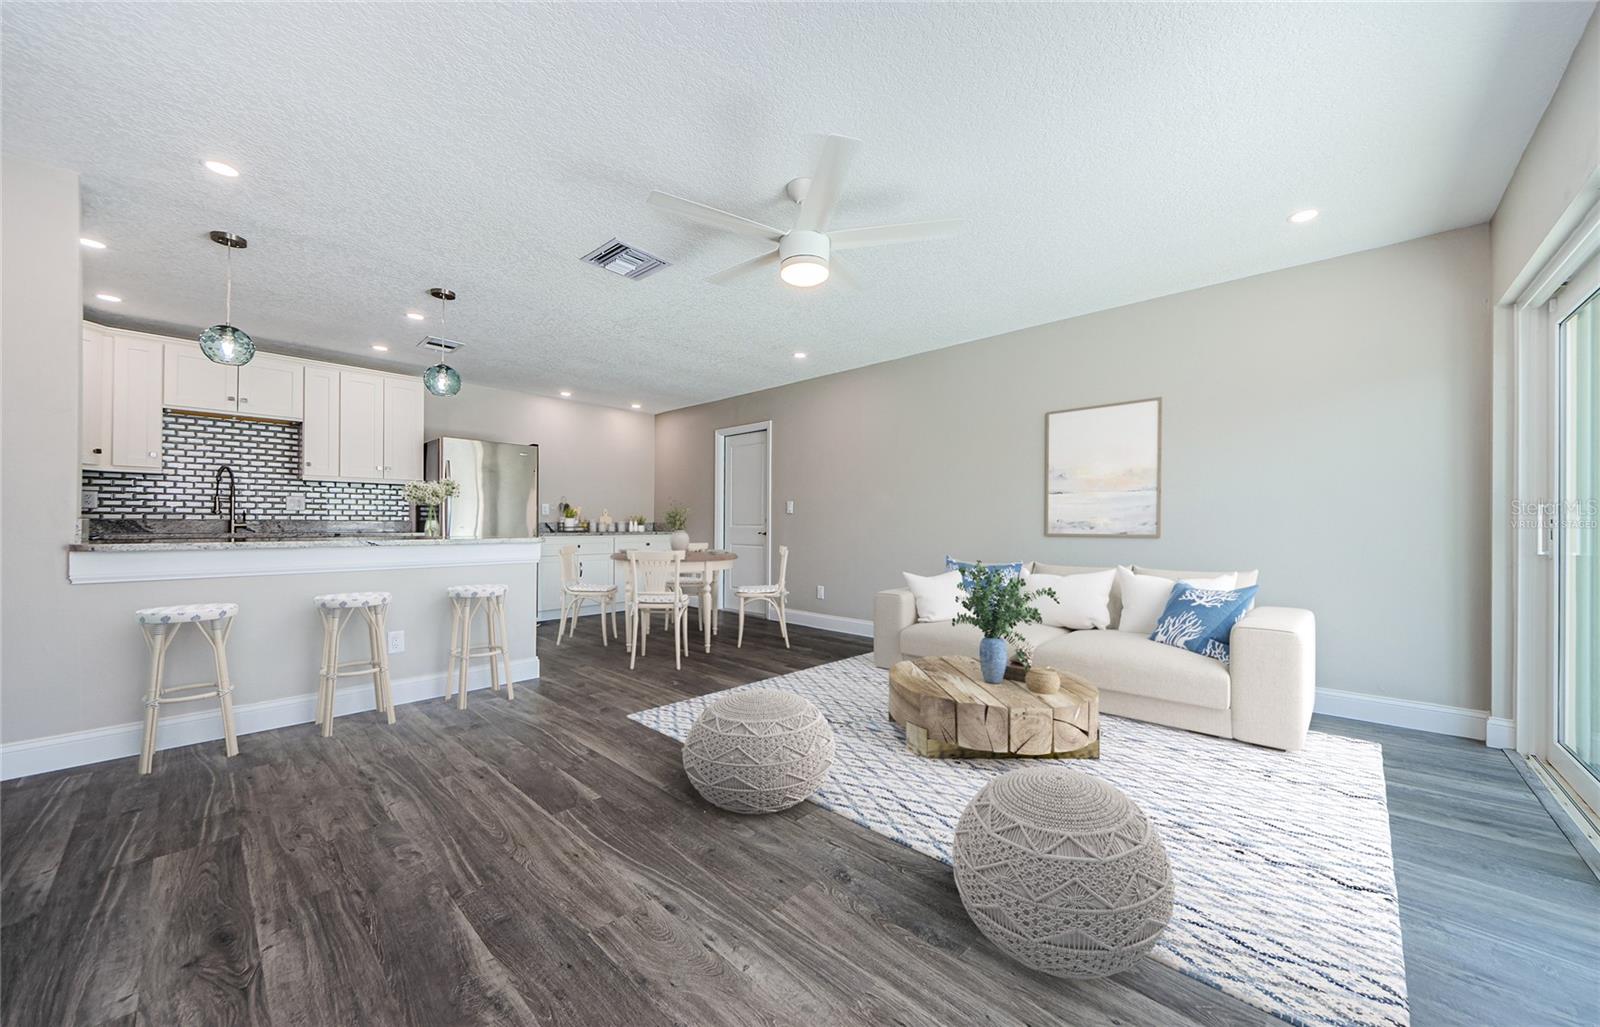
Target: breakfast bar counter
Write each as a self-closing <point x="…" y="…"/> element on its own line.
<point x="174" y="559"/>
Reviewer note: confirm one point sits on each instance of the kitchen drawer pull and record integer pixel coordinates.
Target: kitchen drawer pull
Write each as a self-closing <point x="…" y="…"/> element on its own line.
<point x="230" y="399"/>
<point x="152" y="452"/>
<point x="244" y="399"/>
<point x="97" y="451"/>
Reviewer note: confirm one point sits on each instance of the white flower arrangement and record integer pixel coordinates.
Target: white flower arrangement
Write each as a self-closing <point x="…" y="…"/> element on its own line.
<point x="430" y="493"/>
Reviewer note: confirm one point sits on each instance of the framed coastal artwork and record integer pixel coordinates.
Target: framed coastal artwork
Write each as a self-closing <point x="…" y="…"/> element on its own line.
<point x="1102" y="470"/>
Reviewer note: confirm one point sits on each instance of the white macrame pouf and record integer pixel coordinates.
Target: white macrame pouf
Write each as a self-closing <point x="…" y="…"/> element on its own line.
<point x="1063" y="872"/>
<point x="758" y="751"/>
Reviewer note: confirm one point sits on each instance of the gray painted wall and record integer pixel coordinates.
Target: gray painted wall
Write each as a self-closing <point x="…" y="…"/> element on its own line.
<point x="599" y="458"/>
<point x="1327" y="424"/>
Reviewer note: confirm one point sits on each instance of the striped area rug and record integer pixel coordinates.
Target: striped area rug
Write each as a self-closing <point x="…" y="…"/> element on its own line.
<point x="1284" y="882"/>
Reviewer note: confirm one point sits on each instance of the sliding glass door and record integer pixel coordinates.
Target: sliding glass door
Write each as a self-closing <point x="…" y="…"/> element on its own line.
<point x="1575" y="540"/>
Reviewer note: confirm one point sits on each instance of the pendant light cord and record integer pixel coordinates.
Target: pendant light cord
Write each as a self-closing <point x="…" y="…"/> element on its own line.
<point x="227" y="315"/>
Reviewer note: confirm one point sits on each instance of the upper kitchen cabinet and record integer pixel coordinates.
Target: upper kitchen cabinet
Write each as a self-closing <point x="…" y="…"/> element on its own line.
<point x="94" y="426"/>
<point x="380" y="426"/>
<point x="136" y="379"/>
<point x="272" y="386"/>
<point x="267" y="386"/>
<point x="319" y="429"/>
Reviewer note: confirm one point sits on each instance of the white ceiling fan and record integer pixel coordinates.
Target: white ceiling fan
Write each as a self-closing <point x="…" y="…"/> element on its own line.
<point x="804" y="253"/>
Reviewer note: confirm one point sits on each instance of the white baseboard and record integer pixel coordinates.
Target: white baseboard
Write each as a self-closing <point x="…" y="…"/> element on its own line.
<point x="79" y="748"/>
<point x="831" y="622"/>
<point x="1411" y="713"/>
<point x="1500" y="733"/>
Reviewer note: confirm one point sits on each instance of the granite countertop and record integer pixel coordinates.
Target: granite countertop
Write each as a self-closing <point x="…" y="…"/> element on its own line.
<point x="601" y="534"/>
<point x="351" y="542"/>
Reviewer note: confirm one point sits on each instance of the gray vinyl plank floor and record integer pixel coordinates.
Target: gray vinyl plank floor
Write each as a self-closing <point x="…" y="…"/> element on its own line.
<point x="544" y="861"/>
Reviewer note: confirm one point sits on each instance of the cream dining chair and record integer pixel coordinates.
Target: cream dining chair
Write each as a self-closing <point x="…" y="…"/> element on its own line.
<point x="575" y="592"/>
<point x="657" y="584"/>
<point x="776" y="595"/>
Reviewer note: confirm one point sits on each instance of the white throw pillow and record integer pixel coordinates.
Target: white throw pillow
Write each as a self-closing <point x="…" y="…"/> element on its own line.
<point x="939" y="596"/>
<point x="1144" y="597"/>
<point x="1082" y="600"/>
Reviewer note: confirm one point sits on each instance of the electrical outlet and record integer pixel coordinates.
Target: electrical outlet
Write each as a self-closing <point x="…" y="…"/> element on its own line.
<point x="544" y="509"/>
<point x="295" y="502"/>
<point x="788" y="507"/>
<point x="821" y="592"/>
<point x="91" y="499"/>
<point x="397" y="642"/>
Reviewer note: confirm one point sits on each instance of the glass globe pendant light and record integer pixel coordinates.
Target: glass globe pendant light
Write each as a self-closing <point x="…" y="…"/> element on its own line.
<point x="441" y="379"/>
<point x="223" y="343"/>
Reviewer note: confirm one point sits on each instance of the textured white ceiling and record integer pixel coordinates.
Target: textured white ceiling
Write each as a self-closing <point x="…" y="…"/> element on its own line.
<point x="1100" y="154"/>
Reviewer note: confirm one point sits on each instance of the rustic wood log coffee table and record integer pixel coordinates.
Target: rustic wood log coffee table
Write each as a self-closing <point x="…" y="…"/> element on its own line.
<point x="948" y="709"/>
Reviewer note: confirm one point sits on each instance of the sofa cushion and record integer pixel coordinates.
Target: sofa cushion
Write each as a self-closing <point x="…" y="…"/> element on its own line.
<point x="938" y="597"/>
<point x="1242" y="579"/>
<point x="943" y="638"/>
<point x="1081" y="600"/>
<point x="1200" y="619"/>
<point x="1144" y="596"/>
<point x="1113" y="605"/>
<point x="1120" y="661"/>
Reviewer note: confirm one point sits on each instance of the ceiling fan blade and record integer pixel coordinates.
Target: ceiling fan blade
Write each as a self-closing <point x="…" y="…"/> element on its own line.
<point x="740" y="270"/>
<point x="879" y="235"/>
<point x="713" y="217"/>
<point x="826" y="183"/>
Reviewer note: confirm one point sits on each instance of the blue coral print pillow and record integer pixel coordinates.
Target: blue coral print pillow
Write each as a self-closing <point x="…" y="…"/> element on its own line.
<point x="1012" y="570"/>
<point x="1200" y="619"/>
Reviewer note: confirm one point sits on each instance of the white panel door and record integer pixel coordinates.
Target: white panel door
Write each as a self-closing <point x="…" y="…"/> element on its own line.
<point x="402" y="428"/>
<point x="360" y="425"/>
<point x="319" y="430"/>
<point x="94" y="415"/>
<point x="272" y="387"/>
<point x="136" y="374"/>
<point x="747" y="520"/>
<point x="193" y="382"/>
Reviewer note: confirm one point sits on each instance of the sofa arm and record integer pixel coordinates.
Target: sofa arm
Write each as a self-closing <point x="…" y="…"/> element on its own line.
<point x="893" y="610"/>
<point x="1273" y="667"/>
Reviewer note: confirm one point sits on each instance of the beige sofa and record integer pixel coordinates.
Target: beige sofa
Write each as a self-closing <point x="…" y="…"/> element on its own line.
<point x="1263" y="696"/>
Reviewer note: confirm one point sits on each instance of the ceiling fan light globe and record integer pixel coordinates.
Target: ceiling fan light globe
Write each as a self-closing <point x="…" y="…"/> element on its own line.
<point x="804" y="271"/>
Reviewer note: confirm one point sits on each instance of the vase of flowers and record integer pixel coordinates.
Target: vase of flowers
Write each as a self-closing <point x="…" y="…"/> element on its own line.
<point x="995" y="600"/>
<point x="677" y="520"/>
<point x="429" y="496"/>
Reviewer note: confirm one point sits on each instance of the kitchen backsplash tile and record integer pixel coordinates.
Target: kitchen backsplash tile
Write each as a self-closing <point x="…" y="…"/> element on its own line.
<point x="265" y="458"/>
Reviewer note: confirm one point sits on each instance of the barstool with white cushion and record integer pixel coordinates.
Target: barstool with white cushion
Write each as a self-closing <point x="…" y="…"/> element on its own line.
<point x="161" y="625"/>
<point x="337" y="608"/>
<point x="465" y="602"/>
<point x="776" y="595"/>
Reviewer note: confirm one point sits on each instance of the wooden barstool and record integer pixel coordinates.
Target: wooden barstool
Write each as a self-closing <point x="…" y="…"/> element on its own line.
<point x="465" y="602"/>
<point x="337" y="608"/>
<point x="161" y="625"/>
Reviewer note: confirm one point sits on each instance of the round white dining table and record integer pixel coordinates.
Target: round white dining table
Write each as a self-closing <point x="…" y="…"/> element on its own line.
<point x="710" y="563"/>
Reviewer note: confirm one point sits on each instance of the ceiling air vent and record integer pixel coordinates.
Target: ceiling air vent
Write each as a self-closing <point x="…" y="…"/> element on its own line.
<point x="621" y="259"/>
<point x="438" y="345"/>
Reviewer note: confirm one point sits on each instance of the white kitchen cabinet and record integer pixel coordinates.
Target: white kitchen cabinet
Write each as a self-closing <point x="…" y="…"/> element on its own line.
<point x="549" y="586"/>
<point x="193" y="382"/>
<point x="94" y="424"/>
<point x="272" y="386"/>
<point x="137" y="368"/>
<point x="596" y="569"/>
<point x="402" y="428"/>
<point x="319" y="427"/>
<point x="361" y="425"/>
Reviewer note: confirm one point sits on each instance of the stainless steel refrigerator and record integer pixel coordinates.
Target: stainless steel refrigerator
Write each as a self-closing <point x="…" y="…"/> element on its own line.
<point x="499" y="487"/>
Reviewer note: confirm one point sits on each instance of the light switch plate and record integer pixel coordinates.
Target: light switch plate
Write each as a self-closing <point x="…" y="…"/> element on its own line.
<point x="821" y="593"/>
<point x="397" y="641"/>
<point x="544" y="509"/>
<point x="788" y="506"/>
<point x="295" y="502"/>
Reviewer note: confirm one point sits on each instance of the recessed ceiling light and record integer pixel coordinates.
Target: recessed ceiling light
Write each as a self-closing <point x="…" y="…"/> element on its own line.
<point x="637" y="406"/>
<point x="91" y="244"/>
<point x="799" y="356"/>
<point x="225" y="170"/>
<point x="565" y="394"/>
<point x="413" y="315"/>
<point x="107" y="297"/>
<point x="1300" y="217"/>
<point x="380" y="347"/>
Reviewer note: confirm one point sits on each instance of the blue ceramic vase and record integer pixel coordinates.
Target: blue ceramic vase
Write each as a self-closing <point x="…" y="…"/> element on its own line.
<point x="992" y="659"/>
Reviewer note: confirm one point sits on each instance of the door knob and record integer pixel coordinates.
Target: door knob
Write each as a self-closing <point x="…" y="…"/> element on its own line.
<point x="761" y="533"/>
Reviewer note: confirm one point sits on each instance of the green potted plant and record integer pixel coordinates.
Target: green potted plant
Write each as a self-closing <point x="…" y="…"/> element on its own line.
<point x="995" y="601"/>
<point x="569" y="516"/>
<point x="677" y="521"/>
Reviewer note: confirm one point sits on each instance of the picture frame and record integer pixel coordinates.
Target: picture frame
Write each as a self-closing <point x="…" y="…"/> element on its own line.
<point x="1102" y="470"/>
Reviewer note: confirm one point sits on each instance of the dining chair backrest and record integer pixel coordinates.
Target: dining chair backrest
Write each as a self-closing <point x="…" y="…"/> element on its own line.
<point x="569" y="565"/>
<point x="655" y="570"/>
<point x="783" y="566"/>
